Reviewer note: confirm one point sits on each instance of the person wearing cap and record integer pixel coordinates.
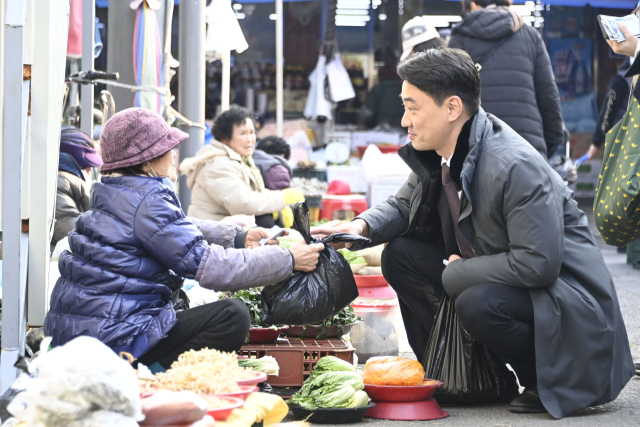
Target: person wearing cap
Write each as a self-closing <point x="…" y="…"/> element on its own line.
<point x="518" y="84"/>
<point x="419" y="35"/>
<point x="77" y="156"/>
<point x="135" y="245"/>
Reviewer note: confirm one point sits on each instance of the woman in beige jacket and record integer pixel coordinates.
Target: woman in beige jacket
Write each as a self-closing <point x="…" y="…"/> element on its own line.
<point x="223" y="178"/>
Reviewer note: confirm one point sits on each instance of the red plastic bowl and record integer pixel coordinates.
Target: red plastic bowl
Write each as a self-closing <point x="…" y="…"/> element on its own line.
<point x="384" y="149"/>
<point x="407" y="411"/>
<point x="370" y="281"/>
<point x="394" y="393"/>
<point x="221" y="414"/>
<point x="265" y="335"/>
<point x="244" y="392"/>
<point x="377" y="292"/>
<point x="259" y="377"/>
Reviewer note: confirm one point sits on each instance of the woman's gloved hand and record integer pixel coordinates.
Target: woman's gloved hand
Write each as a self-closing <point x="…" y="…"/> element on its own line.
<point x="306" y="256"/>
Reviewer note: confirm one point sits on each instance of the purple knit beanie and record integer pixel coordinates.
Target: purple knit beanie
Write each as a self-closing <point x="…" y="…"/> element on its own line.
<point x="78" y="144"/>
<point x="134" y="136"/>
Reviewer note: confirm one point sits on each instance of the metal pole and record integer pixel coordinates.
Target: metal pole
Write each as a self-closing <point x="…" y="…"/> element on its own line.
<point x="191" y="80"/>
<point x="226" y="81"/>
<point x="15" y="242"/>
<point x="279" y="67"/>
<point x="88" y="35"/>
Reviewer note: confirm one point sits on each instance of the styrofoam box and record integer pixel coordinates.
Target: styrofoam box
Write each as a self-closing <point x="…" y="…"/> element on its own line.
<point x="378" y="193"/>
<point x="362" y="139"/>
<point x="354" y="175"/>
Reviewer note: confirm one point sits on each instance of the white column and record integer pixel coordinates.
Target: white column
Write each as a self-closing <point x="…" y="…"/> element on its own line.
<point x="15" y="242"/>
<point x="88" y="36"/>
<point x="279" y="67"/>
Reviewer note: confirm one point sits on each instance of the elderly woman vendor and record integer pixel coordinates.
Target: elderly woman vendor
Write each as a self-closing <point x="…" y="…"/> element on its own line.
<point x="135" y="246"/>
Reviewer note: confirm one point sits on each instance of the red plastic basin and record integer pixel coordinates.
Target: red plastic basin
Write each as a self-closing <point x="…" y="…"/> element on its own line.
<point x="244" y="392"/>
<point x="377" y="292"/>
<point x="259" y="377"/>
<point x="221" y="414"/>
<point x="384" y="149"/>
<point x="265" y="335"/>
<point x="394" y="393"/>
<point x="407" y="411"/>
<point x="370" y="281"/>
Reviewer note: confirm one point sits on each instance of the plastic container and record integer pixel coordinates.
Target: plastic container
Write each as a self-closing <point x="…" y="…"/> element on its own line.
<point x="321" y="174"/>
<point x="265" y="335"/>
<point x="221" y="414"/>
<point x="312" y="331"/>
<point x="391" y="393"/>
<point x="244" y="392"/>
<point x="331" y="415"/>
<point x="377" y="334"/>
<point x="384" y="149"/>
<point x="259" y="377"/>
<point x="407" y="411"/>
<point x="297" y="357"/>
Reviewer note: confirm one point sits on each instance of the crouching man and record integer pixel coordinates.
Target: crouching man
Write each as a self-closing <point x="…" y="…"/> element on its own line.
<point x="523" y="267"/>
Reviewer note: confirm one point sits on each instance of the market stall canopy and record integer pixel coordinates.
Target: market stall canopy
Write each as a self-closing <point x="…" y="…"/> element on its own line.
<point x="615" y="4"/>
<point x="147" y="54"/>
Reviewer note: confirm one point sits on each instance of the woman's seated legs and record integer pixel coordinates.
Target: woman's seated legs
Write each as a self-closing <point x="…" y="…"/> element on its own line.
<point x="222" y="325"/>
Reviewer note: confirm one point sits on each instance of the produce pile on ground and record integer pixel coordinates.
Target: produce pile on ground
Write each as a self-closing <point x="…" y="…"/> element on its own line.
<point x="393" y="370"/>
<point x="346" y="316"/>
<point x="311" y="187"/>
<point x="366" y="262"/>
<point x="204" y="372"/>
<point x="333" y="383"/>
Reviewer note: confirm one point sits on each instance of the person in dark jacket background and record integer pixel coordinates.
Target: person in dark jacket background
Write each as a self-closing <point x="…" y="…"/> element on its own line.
<point x="271" y="157"/>
<point x="517" y="79"/>
<point x="131" y="251"/>
<point x="77" y="157"/>
<point x="614" y="106"/>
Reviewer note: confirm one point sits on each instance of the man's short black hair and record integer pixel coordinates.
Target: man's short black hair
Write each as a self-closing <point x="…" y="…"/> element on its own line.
<point x="444" y="72"/>
<point x="274" y="145"/>
<point x="223" y="126"/>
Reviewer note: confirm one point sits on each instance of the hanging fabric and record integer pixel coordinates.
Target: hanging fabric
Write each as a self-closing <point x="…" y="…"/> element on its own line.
<point x="147" y="54"/>
<point x="223" y="31"/>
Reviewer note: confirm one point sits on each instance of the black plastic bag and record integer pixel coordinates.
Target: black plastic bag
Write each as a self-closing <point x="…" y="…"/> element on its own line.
<point x="471" y="372"/>
<point x="310" y="298"/>
<point x="180" y="300"/>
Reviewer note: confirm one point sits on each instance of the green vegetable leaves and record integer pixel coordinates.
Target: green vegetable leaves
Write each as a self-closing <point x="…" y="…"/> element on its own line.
<point x="267" y="364"/>
<point x="333" y="383"/>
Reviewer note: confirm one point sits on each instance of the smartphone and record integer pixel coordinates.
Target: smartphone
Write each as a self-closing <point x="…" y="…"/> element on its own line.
<point x="277" y="232"/>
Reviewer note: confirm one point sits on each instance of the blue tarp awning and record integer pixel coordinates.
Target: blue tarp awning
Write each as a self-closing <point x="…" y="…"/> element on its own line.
<point x="615" y="4"/>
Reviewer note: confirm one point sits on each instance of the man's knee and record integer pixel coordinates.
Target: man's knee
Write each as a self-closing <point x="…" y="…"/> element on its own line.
<point x="474" y="308"/>
<point x="395" y="256"/>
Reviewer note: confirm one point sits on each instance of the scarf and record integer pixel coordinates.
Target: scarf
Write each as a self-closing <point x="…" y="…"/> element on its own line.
<point x="257" y="175"/>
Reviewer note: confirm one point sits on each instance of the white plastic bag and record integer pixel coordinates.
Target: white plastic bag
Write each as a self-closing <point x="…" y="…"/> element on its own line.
<point x="317" y="104"/>
<point x="81" y="384"/>
<point x="340" y="86"/>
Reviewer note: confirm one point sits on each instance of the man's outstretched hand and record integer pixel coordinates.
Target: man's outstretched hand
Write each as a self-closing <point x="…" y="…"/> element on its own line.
<point x="358" y="227"/>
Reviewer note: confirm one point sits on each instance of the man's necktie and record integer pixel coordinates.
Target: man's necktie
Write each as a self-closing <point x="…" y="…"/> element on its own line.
<point x="454" y="205"/>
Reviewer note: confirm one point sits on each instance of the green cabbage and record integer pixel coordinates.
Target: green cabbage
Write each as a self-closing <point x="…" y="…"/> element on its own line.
<point x="267" y="364"/>
<point x="333" y="397"/>
<point x="352" y="379"/>
<point x="352" y="258"/>
<point x="330" y="364"/>
<point x="359" y="400"/>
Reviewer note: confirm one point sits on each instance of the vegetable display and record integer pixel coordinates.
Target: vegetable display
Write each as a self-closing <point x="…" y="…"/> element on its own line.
<point x="266" y="364"/>
<point x="333" y="383"/>
<point x="366" y="262"/>
<point x="251" y="297"/>
<point x="397" y="371"/>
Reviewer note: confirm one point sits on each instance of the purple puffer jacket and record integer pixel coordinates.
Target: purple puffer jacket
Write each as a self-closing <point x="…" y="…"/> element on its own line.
<point x="131" y="251"/>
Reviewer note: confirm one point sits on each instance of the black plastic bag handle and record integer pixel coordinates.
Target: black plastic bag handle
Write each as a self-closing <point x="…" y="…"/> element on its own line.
<point x="302" y="224"/>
